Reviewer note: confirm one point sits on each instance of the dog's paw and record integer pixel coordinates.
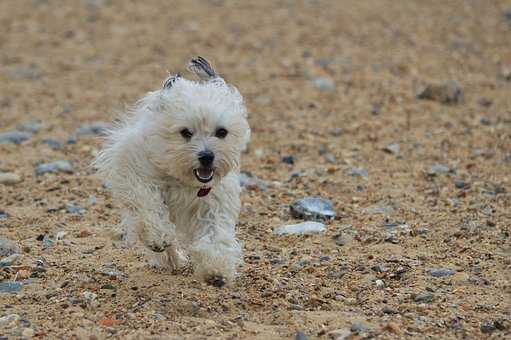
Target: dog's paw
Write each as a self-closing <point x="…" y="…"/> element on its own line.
<point x="216" y="281"/>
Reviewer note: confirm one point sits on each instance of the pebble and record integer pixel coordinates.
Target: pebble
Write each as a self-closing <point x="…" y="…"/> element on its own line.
<point x="8" y="247"/>
<point x="300" y="228"/>
<point x="337" y="132"/>
<point x="52" y="143"/>
<point x="54" y="167"/>
<point x="389" y="310"/>
<point x="423" y="297"/>
<point x="484" y="102"/>
<point x="460" y="184"/>
<point x="446" y="93"/>
<point x="89" y="295"/>
<point x="441" y="272"/>
<point x="438" y="169"/>
<point x="72" y="208"/>
<point x="28" y="333"/>
<point x="301" y="336"/>
<point x="324" y="84"/>
<point x="357" y="172"/>
<point x="313" y="208"/>
<point x="359" y="327"/>
<point x="47" y="242"/>
<point x="379" y="284"/>
<point x="96" y="128"/>
<point x="61" y="235"/>
<point x="397" y="227"/>
<point x="9" y="178"/>
<point x="14" y="137"/>
<point x="392" y="148"/>
<point x="10" y="287"/>
<point x="9" y="321"/>
<point x="10" y="260"/>
<point x="252" y="182"/>
<point x="288" y="160"/>
<point x="3" y="215"/>
<point x="32" y="127"/>
<point x="374" y="210"/>
<point x="339" y="334"/>
<point x="507" y="15"/>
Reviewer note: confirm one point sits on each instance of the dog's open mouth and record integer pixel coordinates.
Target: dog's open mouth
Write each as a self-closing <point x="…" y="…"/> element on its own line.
<point x="204" y="175"/>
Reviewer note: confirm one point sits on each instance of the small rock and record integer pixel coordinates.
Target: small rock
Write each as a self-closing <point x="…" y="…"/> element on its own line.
<point x="339" y="334"/>
<point x="28" y="333"/>
<point x="251" y="182"/>
<point x="438" y="169"/>
<point x="379" y="284"/>
<point x="61" y="235"/>
<point x="9" y="178"/>
<point x="460" y="184"/>
<point x="330" y="158"/>
<point x="72" y="208"/>
<point x="446" y="93"/>
<point x="52" y="143"/>
<point x="359" y="327"/>
<point x="485" y="121"/>
<point x="324" y="84"/>
<point x="32" y="127"/>
<point x="10" y="287"/>
<point x="84" y="233"/>
<point x="8" y="247"/>
<point x="357" y="172"/>
<point x="484" y="102"/>
<point x="14" y="137"/>
<point x="47" y="242"/>
<point x="3" y="215"/>
<point x="423" y="297"/>
<point x="337" y="132"/>
<point x="89" y="296"/>
<point x="507" y="15"/>
<point x="10" y="260"/>
<point x="288" y="160"/>
<point x="313" y="208"/>
<point x="374" y="210"/>
<point x="397" y="227"/>
<point x="300" y="228"/>
<point x="441" y="272"/>
<point x="97" y="128"/>
<point x="9" y="321"/>
<point x="301" y="336"/>
<point x="392" y="148"/>
<point x="92" y="200"/>
<point x="389" y="310"/>
<point x="54" y="167"/>
<point x="487" y="326"/>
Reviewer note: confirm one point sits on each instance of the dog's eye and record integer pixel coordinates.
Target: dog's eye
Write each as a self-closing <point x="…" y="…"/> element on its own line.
<point x="187" y="134"/>
<point x="221" y="133"/>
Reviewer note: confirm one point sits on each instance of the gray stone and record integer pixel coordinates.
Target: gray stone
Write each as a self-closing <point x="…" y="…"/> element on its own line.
<point x="251" y="182"/>
<point x="10" y="260"/>
<point x="389" y="310"/>
<point x="96" y="128"/>
<point x="441" y="272"/>
<point x="313" y="208"/>
<point x="359" y="327"/>
<point x="423" y="297"/>
<point x="392" y="148"/>
<point x="460" y="184"/>
<point x="507" y="15"/>
<point x="9" y="178"/>
<point x="375" y="209"/>
<point x="32" y="127"/>
<point x="309" y="227"/>
<point x="14" y="137"/>
<point x="301" y="336"/>
<point x="54" y="167"/>
<point x="52" y="143"/>
<point x="8" y="247"/>
<point x="438" y="169"/>
<point x="324" y="84"/>
<point x="10" y="287"/>
<point x="357" y="172"/>
<point x="72" y="208"/>
<point x="447" y="93"/>
<point x="47" y="242"/>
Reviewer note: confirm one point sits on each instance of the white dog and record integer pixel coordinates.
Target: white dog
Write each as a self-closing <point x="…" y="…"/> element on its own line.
<point x="173" y="164"/>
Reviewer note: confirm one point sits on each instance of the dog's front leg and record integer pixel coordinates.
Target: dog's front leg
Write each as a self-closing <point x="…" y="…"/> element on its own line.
<point x="215" y="252"/>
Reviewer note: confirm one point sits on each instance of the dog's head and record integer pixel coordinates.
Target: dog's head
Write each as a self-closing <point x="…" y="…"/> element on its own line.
<point x="199" y="128"/>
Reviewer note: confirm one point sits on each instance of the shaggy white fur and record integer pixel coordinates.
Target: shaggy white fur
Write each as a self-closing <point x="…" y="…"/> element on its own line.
<point x="173" y="163"/>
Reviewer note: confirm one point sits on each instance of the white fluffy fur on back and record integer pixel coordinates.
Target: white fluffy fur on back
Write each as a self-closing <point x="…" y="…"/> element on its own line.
<point x="173" y="165"/>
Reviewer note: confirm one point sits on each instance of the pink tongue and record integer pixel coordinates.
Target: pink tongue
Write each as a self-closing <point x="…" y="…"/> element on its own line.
<point x="203" y="192"/>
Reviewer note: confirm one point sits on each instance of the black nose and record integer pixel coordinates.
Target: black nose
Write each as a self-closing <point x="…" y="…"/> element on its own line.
<point x="206" y="158"/>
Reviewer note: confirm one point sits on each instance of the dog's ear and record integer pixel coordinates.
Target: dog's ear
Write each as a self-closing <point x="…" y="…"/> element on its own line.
<point x="202" y="68"/>
<point x="169" y="82"/>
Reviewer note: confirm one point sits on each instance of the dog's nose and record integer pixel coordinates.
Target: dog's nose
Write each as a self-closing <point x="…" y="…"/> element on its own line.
<point x="206" y="158"/>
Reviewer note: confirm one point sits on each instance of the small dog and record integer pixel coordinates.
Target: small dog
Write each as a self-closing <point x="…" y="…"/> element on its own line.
<point x="173" y="164"/>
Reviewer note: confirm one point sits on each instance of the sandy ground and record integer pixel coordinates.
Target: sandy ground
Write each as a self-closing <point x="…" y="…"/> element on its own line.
<point x="331" y="83"/>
